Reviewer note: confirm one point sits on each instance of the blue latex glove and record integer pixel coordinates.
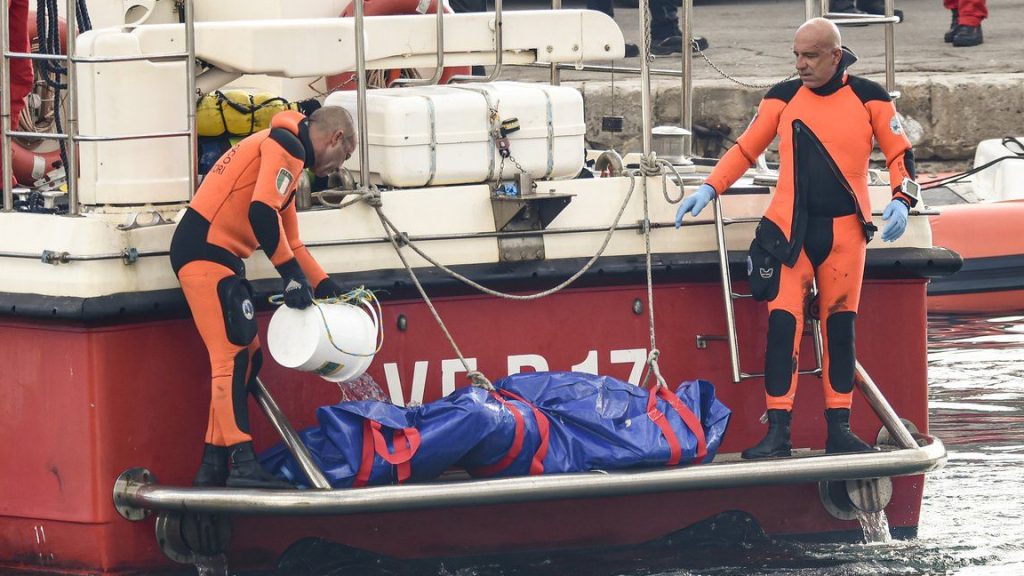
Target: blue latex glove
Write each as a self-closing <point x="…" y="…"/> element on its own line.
<point x="896" y="215"/>
<point x="694" y="203"/>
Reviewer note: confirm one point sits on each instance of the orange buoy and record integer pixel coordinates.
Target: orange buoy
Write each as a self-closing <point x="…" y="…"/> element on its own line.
<point x="346" y="80"/>
<point x="29" y="165"/>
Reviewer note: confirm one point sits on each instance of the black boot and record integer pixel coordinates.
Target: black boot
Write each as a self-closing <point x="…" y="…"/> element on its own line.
<point x="840" y="438"/>
<point x="213" y="471"/>
<point x="246" y="471"/>
<point x="776" y="442"/>
<point x="632" y="50"/>
<point x="954" y="25"/>
<point x="967" y="36"/>
<point x="844" y="7"/>
<point x="674" y="45"/>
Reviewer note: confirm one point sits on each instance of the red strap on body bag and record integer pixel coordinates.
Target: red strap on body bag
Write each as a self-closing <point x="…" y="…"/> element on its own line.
<point x="405" y="441"/>
<point x="691" y="421"/>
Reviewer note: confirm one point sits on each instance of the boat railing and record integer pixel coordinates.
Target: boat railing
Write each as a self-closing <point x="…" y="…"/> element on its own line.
<point x="70" y="137"/>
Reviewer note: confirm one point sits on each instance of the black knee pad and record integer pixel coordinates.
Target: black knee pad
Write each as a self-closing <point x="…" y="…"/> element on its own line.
<point x="240" y="390"/>
<point x="841" y="350"/>
<point x="235" y="295"/>
<point x="780" y="360"/>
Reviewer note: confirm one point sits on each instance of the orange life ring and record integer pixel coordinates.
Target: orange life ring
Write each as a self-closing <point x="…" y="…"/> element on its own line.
<point x="346" y="80"/>
<point x="30" y="166"/>
<point x="33" y="32"/>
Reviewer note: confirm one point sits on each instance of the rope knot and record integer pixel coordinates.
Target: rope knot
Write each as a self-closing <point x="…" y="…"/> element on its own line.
<point x="649" y="165"/>
<point x="479" y="380"/>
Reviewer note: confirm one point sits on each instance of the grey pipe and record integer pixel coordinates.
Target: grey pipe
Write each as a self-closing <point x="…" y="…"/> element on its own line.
<point x="191" y="95"/>
<point x="6" y="151"/>
<point x="730" y="314"/>
<point x="897" y="429"/>
<point x="556" y="76"/>
<point x="288" y="435"/>
<point x="645" y="78"/>
<point x="686" y="114"/>
<point x="71" y="117"/>
<point x="364" y="146"/>
<point x="498" y="51"/>
<point x="535" y="488"/>
<point x="890" y="48"/>
<point x="439" y="69"/>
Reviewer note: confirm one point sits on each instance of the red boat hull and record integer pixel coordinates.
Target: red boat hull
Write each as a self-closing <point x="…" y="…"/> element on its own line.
<point x="84" y="403"/>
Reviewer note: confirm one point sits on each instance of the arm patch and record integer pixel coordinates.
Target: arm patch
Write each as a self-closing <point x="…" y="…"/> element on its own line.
<point x="868" y="90"/>
<point x="290" y="142"/>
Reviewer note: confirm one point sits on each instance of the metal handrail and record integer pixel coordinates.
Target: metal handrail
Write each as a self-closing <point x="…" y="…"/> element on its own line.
<point x="288" y="435"/>
<point x="498" y="55"/>
<point x="71" y="137"/>
<point x="361" y="127"/>
<point x="132" y="495"/>
<point x="439" y="69"/>
<point x="686" y="85"/>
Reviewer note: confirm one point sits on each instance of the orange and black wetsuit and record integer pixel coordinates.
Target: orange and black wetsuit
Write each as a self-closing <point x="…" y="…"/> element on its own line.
<point x="246" y="201"/>
<point x="819" y="220"/>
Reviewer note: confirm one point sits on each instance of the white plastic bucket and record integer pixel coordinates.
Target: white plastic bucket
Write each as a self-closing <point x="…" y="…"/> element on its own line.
<point x="335" y="340"/>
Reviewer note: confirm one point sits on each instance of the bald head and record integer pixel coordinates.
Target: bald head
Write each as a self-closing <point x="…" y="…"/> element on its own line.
<point x="332" y="133"/>
<point x="818" y="50"/>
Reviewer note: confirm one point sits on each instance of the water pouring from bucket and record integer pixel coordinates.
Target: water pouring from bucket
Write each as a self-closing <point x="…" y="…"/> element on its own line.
<point x="335" y="339"/>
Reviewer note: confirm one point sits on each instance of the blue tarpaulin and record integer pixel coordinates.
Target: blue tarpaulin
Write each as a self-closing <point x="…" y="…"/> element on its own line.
<point x="543" y="422"/>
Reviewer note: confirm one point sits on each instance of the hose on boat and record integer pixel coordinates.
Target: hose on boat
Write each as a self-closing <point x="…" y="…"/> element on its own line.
<point x="952" y="178"/>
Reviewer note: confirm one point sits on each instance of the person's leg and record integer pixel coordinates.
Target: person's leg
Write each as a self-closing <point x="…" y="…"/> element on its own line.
<point x="969" y="16"/>
<point x="785" y="327"/>
<point x="839" y="276"/>
<point x="223" y="312"/>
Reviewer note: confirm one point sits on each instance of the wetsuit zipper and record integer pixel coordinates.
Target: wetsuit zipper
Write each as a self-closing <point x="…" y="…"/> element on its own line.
<point x="799" y="126"/>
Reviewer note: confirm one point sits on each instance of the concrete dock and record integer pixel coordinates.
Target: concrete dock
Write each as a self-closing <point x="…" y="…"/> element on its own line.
<point x="951" y="97"/>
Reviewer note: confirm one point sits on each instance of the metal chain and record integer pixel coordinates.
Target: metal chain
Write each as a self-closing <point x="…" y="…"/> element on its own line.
<point x="696" y="47"/>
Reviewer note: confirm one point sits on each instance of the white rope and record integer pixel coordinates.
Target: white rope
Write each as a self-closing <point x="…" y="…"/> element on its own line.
<point x="652" y="358"/>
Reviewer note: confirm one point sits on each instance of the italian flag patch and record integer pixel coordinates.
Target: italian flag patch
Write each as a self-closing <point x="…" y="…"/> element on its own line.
<point x="284" y="181"/>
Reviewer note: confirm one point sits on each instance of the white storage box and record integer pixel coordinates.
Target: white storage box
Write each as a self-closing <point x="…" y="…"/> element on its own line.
<point x="1003" y="180"/>
<point x="438" y="135"/>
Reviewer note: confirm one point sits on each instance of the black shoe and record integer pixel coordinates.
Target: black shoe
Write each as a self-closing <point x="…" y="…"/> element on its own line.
<point x="844" y="7"/>
<point x="776" y="442"/>
<point x="674" y="45"/>
<point x="246" y="471"/>
<point x="213" y="470"/>
<point x="632" y="50"/>
<point x="840" y="438"/>
<point x="967" y="36"/>
<point x="954" y="25"/>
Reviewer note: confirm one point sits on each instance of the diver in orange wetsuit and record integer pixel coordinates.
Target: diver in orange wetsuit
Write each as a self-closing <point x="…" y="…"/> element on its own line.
<point x="247" y="201"/>
<point x="819" y="220"/>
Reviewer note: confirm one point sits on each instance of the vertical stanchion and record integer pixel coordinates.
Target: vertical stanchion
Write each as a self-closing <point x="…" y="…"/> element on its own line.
<point x="556" y="75"/>
<point x="71" y="122"/>
<point x="289" y="436"/>
<point x="890" y="48"/>
<point x="730" y="314"/>
<point x="190" y="83"/>
<point x="5" y="108"/>
<point x="686" y="111"/>
<point x="364" y="148"/>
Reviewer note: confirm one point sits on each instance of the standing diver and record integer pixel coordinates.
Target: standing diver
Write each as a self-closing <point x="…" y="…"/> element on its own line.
<point x="819" y="220"/>
<point x="247" y="201"/>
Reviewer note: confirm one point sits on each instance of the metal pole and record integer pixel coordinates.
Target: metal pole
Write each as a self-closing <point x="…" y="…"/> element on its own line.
<point x="498" y="51"/>
<point x="730" y="314"/>
<point x="882" y="408"/>
<point x="5" y="108"/>
<point x="645" y="75"/>
<point x="439" y="68"/>
<point x="819" y="342"/>
<point x="364" y="148"/>
<point x="556" y="76"/>
<point x="71" y="169"/>
<point x="686" y="111"/>
<point x="190" y="84"/>
<point x="289" y="436"/>
<point x="890" y="49"/>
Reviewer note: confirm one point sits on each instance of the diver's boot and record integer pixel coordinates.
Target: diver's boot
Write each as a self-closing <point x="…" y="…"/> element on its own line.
<point x="840" y="438"/>
<point x="954" y="25"/>
<point x="776" y="442"/>
<point x="246" y="471"/>
<point x="213" y="470"/>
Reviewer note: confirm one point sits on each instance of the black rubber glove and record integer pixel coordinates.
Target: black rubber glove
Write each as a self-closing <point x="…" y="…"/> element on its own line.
<point x="328" y="288"/>
<point x="297" y="293"/>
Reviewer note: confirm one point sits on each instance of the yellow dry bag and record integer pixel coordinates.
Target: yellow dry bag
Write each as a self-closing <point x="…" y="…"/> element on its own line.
<point x="238" y="112"/>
